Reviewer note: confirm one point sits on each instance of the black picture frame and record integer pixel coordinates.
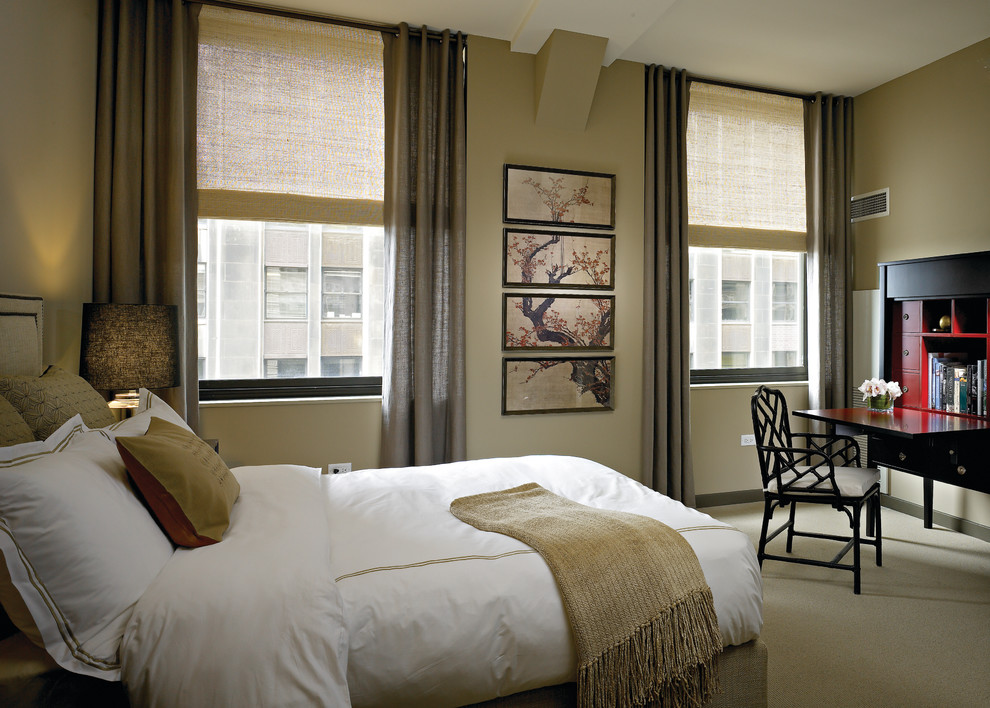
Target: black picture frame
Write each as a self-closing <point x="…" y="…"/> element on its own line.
<point x="557" y="385"/>
<point x="533" y="258"/>
<point x="569" y="322"/>
<point x="557" y="197"/>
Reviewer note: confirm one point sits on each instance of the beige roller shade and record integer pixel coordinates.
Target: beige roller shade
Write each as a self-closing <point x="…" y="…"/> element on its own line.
<point x="746" y="174"/>
<point x="290" y="119"/>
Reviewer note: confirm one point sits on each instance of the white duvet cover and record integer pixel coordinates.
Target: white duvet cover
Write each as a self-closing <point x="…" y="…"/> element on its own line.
<point x="369" y="591"/>
<point x="253" y="621"/>
<point x="441" y="614"/>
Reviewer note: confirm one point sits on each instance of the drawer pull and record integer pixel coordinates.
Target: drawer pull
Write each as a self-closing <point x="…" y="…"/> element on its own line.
<point x="907" y="353"/>
<point x="901" y="456"/>
<point x="961" y="470"/>
<point x="907" y="316"/>
<point x="905" y="389"/>
<point x="952" y="452"/>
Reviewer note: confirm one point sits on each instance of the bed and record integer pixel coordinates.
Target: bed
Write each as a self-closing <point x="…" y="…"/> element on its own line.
<point x="333" y="590"/>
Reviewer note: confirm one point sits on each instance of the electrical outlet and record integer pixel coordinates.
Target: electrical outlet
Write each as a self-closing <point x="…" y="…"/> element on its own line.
<point x="747" y="440"/>
<point x="338" y="467"/>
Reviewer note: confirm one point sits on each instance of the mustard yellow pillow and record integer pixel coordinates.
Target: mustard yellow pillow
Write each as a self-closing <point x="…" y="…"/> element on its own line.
<point x="185" y="483"/>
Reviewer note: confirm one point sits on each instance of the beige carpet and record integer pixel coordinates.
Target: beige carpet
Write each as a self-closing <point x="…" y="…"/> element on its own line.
<point x="918" y="635"/>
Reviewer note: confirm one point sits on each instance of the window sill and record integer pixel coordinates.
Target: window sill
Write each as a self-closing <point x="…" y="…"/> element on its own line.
<point x="751" y="385"/>
<point x="257" y="402"/>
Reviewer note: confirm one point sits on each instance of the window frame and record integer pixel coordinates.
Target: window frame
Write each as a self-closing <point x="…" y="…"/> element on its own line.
<point x="734" y="234"/>
<point x="330" y="387"/>
<point x="291" y="388"/>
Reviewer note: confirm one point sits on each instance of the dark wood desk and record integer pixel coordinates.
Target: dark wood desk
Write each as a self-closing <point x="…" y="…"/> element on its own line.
<point x="932" y="445"/>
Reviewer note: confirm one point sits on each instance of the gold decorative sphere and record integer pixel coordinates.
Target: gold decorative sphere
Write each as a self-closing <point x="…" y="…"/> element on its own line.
<point x="944" y="323"/>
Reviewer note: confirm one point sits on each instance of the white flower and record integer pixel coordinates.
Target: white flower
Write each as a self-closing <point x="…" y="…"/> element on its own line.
<point x="879" y="387"/>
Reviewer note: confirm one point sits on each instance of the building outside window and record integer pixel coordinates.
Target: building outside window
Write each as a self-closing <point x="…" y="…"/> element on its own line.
<point x="272" y="314"/>
<point x="747" y="230"/>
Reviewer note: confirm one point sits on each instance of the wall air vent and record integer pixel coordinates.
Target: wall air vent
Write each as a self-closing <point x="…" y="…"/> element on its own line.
<point x="871" y="205"/>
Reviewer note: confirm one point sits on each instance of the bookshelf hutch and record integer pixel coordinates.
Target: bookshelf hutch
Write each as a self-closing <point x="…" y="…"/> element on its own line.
<point x="930" y="306"/>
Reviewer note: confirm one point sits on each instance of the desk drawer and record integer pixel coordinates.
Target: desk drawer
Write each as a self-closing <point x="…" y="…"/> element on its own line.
<point x="911" y="390"/>
<point x="958" y="462"/>
<point x="907" y="316"/>
<point x="965" y="467"/>
<point x="908" y="358"/>
<point x="899" y="454"/>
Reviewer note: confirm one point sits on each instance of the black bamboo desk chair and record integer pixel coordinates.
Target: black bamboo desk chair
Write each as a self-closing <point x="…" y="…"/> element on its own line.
<point x="823" y="469"/>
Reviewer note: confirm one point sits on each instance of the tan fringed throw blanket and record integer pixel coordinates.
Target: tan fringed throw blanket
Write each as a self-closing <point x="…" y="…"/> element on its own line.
<point x="640" y="610"/>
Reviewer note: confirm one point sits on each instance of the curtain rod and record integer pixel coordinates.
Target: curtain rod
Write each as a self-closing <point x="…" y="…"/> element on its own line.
<point x="312" y="17"/>
<point x="752" y="87"/>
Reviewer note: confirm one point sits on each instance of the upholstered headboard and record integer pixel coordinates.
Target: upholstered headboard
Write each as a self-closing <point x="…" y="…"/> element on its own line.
<point x="21" y="329"/>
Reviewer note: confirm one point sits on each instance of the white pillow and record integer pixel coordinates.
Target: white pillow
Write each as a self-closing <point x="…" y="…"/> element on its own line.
<point x="79" y="546"/>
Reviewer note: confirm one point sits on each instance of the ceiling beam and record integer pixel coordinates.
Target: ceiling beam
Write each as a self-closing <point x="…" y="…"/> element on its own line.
<point x="621" y="21"/>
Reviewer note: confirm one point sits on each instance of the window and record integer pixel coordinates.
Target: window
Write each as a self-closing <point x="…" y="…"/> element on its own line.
<point x="341" y="293"/>
<point x="785" y="301"/>
<point x="340" y="366"/>
<point x="285" y="368"/>
<point x="290" y="159"/>
<point x="285" y="293"/>
<point x="747" y="230"/>
<point x="735" y="360"/>
<point x="735" y="300"/>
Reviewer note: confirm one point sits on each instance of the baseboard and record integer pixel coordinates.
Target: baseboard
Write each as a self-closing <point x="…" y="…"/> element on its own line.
<point x="965" y="526"/>
<point x="743" y="496"/>
<point x="954" y="523"/>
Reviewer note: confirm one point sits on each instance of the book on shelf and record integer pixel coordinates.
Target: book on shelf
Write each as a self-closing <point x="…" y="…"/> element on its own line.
<point x="956" y="384"/>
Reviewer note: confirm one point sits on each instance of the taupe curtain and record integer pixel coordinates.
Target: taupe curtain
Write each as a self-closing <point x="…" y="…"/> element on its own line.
<point x="144" y="228"/>
<point x="423" y="419"/>
<point x="828" y="154"/>
<point x="667" y="465"/>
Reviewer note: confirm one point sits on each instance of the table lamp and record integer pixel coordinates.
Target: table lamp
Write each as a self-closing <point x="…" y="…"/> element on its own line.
<point x="127" y="347"/>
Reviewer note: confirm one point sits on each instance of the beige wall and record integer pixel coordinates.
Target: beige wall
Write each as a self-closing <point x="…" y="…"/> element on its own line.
<point x="501" y="129"/>
<point x="48" y="84"/>
<point x="48" y="49"/>
<point x="720" y="414"/>
<point x="314" y="433"/>
<point x="926" y="135"/>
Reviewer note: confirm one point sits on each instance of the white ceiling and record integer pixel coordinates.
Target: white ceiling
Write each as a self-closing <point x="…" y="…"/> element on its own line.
<point x="834" y="46"/>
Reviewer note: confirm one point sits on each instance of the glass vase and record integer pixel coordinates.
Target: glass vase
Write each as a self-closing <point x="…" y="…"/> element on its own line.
<point x="884" y="403"/>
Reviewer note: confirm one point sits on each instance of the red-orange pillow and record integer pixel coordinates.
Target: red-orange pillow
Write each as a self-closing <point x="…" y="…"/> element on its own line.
<point x="185" y="483"/>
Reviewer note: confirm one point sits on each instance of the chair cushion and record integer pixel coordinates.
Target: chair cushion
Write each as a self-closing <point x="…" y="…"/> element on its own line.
<point x="852" y="481"/>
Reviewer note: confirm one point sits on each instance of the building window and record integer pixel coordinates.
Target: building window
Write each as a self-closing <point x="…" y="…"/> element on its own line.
<point x="785" y="358"/>
<point x="735" y="360"/>
<point x="201" y="290"/>
<point x="340" y="366"/>
<point x="285" y="368"/>
<point x="785" y="302"/>
<point x="747" y="232"/>
<point x="735" y="301"/>
<point x="290" y="283"/>
<point x="341" y="293"/>
<point x="285" y="293"/>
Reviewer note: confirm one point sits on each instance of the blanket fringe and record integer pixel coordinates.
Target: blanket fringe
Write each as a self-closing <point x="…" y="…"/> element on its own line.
<point x="627" y="674"/>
